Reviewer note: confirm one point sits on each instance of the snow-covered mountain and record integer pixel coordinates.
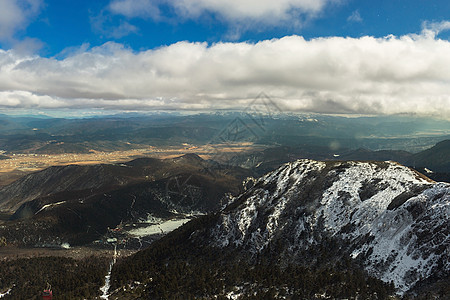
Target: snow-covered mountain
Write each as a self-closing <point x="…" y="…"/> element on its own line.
<point x="389" y="218"/>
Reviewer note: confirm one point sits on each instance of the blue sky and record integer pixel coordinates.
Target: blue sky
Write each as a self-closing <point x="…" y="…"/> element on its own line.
<point x="63" y="24"/>
<point x="324" y="56"/>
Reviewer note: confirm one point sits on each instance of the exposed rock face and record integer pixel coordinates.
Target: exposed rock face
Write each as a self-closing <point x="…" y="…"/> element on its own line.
<point x="391" y="219"/>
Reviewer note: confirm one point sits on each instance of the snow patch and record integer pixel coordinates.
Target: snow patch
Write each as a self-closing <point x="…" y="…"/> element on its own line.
<point x="161" y="228"/>
<point x="49" y="206"/>
<point x="428" y="171"/>
<point x="105" y="288"/>
<point x="65" y="245"/>
<point x="5" y="293"/>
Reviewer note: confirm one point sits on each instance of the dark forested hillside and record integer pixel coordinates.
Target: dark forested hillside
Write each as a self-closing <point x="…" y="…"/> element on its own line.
<point x="77" y="204"/>
<point x="437" y="158"/>
<point x="176" y="268"/>
<point x="69" y="278"/>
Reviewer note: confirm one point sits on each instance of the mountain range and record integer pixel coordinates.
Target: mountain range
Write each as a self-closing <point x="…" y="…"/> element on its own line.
<point x="270" y="224"/>
<point x="380" y="217"/>
<point x="45" y="135"/>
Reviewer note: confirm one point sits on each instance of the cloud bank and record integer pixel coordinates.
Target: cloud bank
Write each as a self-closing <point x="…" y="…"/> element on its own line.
<point x="367" y="75"/>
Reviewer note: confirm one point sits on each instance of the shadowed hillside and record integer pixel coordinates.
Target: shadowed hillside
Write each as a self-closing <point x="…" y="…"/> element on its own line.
<point x="77" y="204"/>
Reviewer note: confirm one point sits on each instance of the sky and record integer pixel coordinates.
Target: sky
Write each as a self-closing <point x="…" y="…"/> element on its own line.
<point x="320" y="56"/>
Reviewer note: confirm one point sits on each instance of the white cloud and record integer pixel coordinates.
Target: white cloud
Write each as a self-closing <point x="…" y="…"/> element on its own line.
<point x="15" y="16"/>
<point x="123" y="29"/>
<point x="28" y="45"/>
<point x="434" y="28"/>
<point x="101" y="24"/>
<point x="240" y="15"/>
<point x="355" y="17"/>
<point x="408" y="74"/>
<point x="267" y="11"/>
<point x="135" y="8"/>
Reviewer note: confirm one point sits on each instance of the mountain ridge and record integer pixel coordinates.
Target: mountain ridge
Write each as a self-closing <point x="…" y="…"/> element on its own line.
<point x="376" y="189"/>
<point x="388" y="219"/>
<point x="434" y="161"/>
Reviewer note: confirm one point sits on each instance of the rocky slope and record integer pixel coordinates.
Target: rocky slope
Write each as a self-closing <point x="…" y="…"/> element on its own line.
<point x="388" y="219"/>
